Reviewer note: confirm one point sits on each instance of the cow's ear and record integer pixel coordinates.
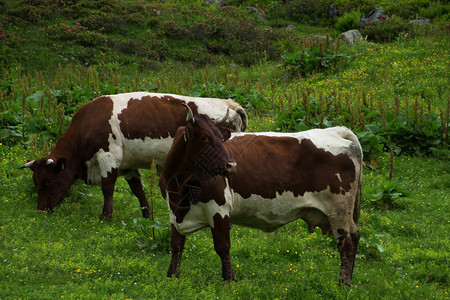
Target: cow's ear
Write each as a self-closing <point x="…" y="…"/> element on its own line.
<point x="188" y="132"/>
<point x="61" y="163"/>
<point x="225" y="130"/>
<point x="226" y="134"/>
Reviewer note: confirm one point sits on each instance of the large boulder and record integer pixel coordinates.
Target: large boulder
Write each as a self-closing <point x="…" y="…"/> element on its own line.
<point x="351" y="37"/>
<point x="373" y="17"/>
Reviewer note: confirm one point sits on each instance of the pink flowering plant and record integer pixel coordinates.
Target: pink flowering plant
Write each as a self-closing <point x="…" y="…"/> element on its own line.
<point x="76" y="33"/>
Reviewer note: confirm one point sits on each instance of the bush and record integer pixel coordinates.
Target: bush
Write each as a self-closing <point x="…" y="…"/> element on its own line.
<point x="406" y="9"/>
<point x="348" y="21"/>
<point x="434" y="11"/>
<point x="227" y="31"/>
<point x="306" y="11"/>
<point x="387" y="31"/>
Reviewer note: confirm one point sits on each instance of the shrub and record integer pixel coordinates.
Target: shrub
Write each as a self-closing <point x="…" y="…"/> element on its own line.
<point x="227" y="31"/>
<point x="387" y="31"/>
<point x="406" y="9"/>
<point x="348" y="21"/>
<point x="435" y="10"/>
<point x="306" y="11"/>
<point x="76" y="33"/>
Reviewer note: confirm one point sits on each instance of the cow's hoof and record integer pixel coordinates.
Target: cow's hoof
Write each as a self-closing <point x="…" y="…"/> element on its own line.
<point x="229" y="276"/>
<point x="145" y="213"/>
<point x="105" y="217"/>
<point x="345" y="282"/>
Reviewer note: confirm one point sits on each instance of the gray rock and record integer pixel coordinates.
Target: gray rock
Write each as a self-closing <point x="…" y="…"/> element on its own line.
<point x="351" y="37"/>
<point x="420" y="21"/>
<point x="332" y="11"/>
<point x="216" y="2"/>
<point x="290" y="27"/>
<point x="317" y="38"/>
<point x="258" y="11"/>
<point x="373" y="17"/>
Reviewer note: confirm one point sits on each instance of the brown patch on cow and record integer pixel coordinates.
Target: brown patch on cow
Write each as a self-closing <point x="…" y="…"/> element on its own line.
<point x="154" y="117"/>
<point x="87" y="134"/>
<point x="270" y="165"/>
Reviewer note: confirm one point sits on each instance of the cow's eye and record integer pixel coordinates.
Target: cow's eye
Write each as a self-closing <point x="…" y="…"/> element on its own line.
<point x="204" y="139"/>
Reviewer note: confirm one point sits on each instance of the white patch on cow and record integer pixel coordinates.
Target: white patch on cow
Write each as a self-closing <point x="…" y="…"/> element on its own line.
<point x="202" y="214"/>
<point x="139" y="153"/>
<point x="270" y="214"/>
<point x="199" y="216"/>
<point x="103" y="162"/>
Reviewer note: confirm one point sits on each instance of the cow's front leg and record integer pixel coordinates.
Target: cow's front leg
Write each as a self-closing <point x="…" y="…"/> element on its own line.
<point x="176" y="246"/>
<point x="222" y="244"/>
<point x="108" y="185"/>
<point x="135" y="182"/>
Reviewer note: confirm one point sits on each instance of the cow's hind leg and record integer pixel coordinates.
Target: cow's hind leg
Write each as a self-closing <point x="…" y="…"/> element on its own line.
<point x="108" y="185"/>
<point x="176" y="246"/>
<point x="134" y="180"/>
<point x="222" y="244"/>
<point x="347" y="236"/>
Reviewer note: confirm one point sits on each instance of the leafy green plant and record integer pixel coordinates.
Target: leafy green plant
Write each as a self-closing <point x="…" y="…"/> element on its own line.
<point x="371" y="243"/>
<point x="348" y="21"/>
<point x="249" y="99"/>
<point x="310" y="60"/>
<point x="145" y="229"/>
<point x="372" y="142"/>
<point x="385" y="196"/>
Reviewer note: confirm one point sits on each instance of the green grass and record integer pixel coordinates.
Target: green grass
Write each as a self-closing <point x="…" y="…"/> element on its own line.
<point x="71" y="254"/>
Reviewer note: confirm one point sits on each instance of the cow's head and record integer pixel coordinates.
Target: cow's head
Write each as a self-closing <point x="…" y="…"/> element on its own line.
<point x="51" y="179"/>
<point x="198" y="149"/>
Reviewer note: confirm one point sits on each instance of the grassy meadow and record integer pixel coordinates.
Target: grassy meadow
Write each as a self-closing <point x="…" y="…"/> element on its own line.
<point x="56" y="56"/>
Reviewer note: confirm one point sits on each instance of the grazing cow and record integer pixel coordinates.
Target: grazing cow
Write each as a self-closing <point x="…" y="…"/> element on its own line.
<point x="116" y="135"/>
<point x="273" y="179"/>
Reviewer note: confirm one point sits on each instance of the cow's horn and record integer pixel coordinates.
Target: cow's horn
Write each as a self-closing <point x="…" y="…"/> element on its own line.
<point x="50" y="161"/>
<point x="27" y="165"/>
<point x="224" y="119"/>
<point x="190" y="115"/>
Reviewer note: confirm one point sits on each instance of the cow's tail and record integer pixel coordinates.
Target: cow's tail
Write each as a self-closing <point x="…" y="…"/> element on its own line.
<point x="357" y="207"/>
<point x="241" y="112"/>
<point x="358" y="155"/>
<point x="244" y="118"/>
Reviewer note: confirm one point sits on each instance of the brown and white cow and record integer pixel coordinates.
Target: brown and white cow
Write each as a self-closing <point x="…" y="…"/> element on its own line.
<point x="279" y="177"/>
<point x="116" y="135"/>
